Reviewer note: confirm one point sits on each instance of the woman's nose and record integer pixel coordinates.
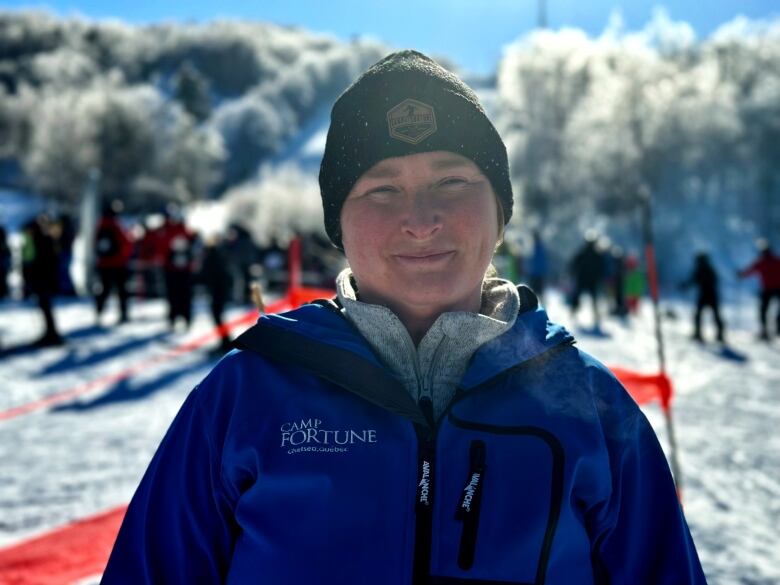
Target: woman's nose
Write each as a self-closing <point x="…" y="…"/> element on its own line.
<point x="423" y="219"/>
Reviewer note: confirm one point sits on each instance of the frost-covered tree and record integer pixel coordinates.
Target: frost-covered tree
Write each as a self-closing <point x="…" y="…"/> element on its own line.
<point x="278" y="203"/>
<point x="593" y="122"/>
<point x="15" y="122"/>
<point x="130" y="134"/>
<point x="187" y="163"/>
<point x="252" y="130"/>
<point x="748" y="56"/>
<point x="192" y="91"/>
<point x="257" y="125"/>
<point x="62" y="147"/>
<point x="250" y="86"/>
<point x="541" y="79"/>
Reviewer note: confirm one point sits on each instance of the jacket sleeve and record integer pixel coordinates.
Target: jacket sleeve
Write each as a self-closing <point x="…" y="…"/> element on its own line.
<point x="639" y="532"/>
<point x="747" y="271"/>
<point x="179" y="526"/>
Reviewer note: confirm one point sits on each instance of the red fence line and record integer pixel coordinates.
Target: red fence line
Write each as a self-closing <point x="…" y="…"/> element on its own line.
<point x="66" y="554"/>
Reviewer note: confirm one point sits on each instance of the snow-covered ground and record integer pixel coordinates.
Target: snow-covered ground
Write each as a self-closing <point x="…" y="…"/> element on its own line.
<point x="86" y="455"/>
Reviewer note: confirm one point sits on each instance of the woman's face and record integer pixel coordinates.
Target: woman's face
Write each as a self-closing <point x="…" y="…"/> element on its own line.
<point x="420" y="231"/>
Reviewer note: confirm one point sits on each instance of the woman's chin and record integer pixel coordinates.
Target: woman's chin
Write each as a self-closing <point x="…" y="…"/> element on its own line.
<point x="439" y="298"/>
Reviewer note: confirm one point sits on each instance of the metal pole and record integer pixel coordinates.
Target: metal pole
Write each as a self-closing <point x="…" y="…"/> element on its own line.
<point x="88" y="217"/>
<point x="652" y="277"/>
<point x="294" y="262"/>
<point x="541" y="16"/>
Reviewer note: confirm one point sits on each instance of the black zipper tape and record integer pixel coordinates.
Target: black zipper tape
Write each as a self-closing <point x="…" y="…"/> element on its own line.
<point x="425" y="479"/>
<point x="424" y="507"/>
<point x="469" y="505"/>
<point x="426" y="407"/>
<point x="556" y="480"/>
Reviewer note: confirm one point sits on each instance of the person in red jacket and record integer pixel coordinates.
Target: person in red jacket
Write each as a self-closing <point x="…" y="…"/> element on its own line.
<point x="179" y="244"/>
<point x="113" y="248"/>
<point x="767" y="267"/>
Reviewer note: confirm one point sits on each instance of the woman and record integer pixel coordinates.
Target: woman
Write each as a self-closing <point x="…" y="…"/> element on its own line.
<point x="428" y="426"/>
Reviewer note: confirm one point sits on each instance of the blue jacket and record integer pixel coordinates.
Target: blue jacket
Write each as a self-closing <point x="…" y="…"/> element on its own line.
<point x="301" y="460"/>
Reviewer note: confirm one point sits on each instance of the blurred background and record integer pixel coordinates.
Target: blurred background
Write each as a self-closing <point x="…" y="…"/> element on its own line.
<point x="157" y="159"/>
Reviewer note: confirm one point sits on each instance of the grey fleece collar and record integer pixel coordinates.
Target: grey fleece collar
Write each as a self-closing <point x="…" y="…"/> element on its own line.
<point x="434" y="368"/>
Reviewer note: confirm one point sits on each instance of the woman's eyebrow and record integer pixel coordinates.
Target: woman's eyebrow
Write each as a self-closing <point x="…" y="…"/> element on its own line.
<point x="382" y="173"/>
<point x="449" y="163"/>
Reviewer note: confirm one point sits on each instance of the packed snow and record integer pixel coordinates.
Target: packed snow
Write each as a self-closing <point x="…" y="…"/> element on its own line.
<point x="87" y="454"/>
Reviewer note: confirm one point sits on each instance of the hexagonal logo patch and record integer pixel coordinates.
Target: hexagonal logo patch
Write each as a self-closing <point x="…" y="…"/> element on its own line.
<point x="411" y="121"/>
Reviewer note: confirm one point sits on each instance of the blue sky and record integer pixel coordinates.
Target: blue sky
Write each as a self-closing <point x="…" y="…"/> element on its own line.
<point x="469" y="32"/>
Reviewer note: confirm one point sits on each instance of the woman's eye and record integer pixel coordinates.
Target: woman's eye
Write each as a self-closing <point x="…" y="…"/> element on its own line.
<point x="452" y="182"/>
<point x="382" y="191"/>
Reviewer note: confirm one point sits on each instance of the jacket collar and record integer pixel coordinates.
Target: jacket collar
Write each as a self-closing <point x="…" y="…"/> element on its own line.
<point x="531" y="336"/>
<point x="319" y="339"/>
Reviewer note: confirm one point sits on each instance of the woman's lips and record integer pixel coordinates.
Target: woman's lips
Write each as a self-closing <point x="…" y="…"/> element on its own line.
<point x="425" y="258"/>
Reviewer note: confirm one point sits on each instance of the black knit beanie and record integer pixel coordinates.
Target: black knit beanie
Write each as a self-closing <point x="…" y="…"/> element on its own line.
<point x="406" y="104"/>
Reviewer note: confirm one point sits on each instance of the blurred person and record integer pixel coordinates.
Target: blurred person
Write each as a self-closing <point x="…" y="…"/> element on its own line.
<point x="587" y="270"/>
<point x="42" y="255"/>
<point x="616" y="279"/>
<point x="113" y="249"/>
<point x="767" y="268"/>
<point x="5" y="263"/>
<point x="152" y="251"/>
<point x="705" y="280"/>
<point x="634" y="284"/>
<point x="179" y="244"/>
<point x="27" y="258"/>
<point x="216" y="276"/>
<point x="317" y="262"/>
<point x="538" y="267"/>
<point x="66" y="235"/>
<point x="508" y="261"/>
<point x="429" y="425"/>
<point x="275" y="262"/>
<point x="244" y="254"/>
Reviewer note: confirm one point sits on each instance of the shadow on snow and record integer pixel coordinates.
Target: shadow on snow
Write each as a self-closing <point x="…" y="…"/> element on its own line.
<point x="72" y="360"/>
<point x="126" y="391"/>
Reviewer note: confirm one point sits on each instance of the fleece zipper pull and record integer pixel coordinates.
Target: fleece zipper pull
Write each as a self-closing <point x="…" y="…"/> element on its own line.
<point x="469" y="505"/>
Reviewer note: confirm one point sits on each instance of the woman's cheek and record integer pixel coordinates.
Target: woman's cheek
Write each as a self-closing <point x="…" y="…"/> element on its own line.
<point x="372" y="219"/>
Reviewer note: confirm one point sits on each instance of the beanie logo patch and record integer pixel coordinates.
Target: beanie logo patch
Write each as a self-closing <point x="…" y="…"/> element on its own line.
<point x="411" y="121"/>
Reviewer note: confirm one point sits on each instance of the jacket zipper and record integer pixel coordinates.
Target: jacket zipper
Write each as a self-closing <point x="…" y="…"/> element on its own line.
<point x="469" y="505"/>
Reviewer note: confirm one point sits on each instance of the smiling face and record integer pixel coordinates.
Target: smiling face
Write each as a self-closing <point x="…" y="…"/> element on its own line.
<point x="419" y="232"/>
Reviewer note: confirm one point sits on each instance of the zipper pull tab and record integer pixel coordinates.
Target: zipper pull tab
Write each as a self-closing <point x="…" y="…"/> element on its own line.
<point x="425" y="479"/>
<point x="426" y="406"/>
<point x="469" y="505"/>
<point x="472" y="493"/>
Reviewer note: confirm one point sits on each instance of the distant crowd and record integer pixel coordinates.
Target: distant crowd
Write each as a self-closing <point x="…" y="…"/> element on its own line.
<point x="614" y="281"/>
<point x="160" y="257"/>
<point x="157" y="256"/>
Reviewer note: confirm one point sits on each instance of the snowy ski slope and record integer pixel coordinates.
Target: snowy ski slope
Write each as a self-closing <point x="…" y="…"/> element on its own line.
<point x="87" y="454"/>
